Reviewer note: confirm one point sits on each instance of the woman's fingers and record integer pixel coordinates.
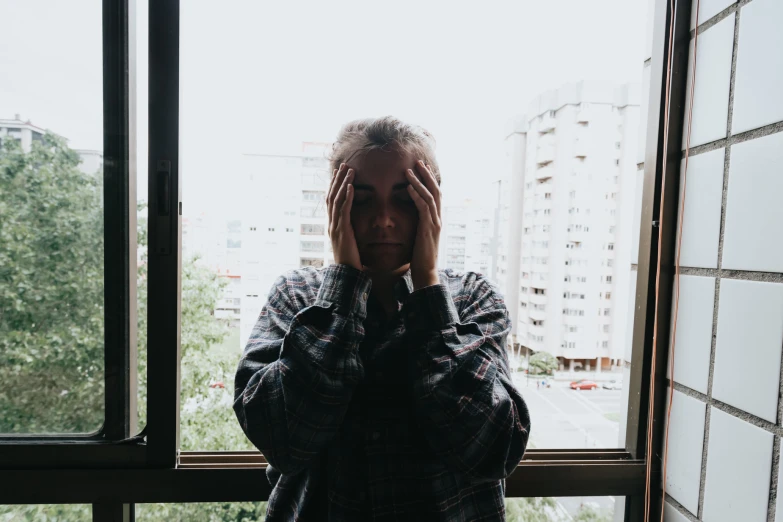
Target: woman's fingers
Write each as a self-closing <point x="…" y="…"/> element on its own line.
<point x="424" y="200"/>
<point x="427" y="177"/>
<point x="337" y="204"/>
<point x="334" y="186"/>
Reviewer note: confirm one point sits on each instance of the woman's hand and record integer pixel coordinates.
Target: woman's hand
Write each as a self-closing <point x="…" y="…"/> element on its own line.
<point x="426" y="194"/>
<point x="338" y="204"/>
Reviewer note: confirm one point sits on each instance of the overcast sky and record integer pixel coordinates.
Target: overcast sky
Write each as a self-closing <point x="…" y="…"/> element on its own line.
<point x="261" y="76"/>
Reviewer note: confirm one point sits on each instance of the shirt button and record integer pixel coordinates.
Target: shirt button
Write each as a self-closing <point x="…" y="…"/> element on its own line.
<point x="364" y="296"/>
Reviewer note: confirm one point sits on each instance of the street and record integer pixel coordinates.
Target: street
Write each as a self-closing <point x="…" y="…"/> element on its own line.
<point x="564" y="418"/>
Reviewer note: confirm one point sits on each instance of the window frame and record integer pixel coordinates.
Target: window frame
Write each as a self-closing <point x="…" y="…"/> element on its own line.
<point x="112" y="474"/>
<point x="100" y="448"/>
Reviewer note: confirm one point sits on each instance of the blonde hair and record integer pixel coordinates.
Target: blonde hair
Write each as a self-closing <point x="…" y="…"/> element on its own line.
<point x="364" y="135"/>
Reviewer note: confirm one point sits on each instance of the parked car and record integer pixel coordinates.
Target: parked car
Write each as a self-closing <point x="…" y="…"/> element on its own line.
<point x="613" y="385"/>
<point x="584" y="384"/>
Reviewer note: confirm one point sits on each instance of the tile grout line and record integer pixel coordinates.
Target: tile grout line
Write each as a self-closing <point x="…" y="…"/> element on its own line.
<point x="750" y="418"/>
<point x="716" y="298"/>
<point x="741" y="275"/>
<point x="760" y="132"/>
<point x="680" y="508"/>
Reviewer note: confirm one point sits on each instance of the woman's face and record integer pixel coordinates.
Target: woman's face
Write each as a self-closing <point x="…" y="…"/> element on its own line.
<point x="383" y="215"/>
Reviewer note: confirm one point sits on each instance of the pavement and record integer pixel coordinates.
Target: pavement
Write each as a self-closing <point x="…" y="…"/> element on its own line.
<point x="564" y="418"/>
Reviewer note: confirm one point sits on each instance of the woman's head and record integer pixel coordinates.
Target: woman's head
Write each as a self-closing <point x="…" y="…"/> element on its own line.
<point x="380" y="150"/>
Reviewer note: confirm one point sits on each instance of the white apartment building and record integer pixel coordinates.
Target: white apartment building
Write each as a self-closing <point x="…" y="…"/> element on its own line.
<point x="467" y="237"/>
<point x="283" y="206"/>
<point x="217" y="243"/>
<point x="27" y="133"/>
<point x="569" y="221"/>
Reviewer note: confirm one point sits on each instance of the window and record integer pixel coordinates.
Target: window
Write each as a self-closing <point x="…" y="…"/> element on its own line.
<point x="313" y="195"/>
<point x="312" y="246"/>
<point x="247" y="151"/>
<point x="59" y="257"/>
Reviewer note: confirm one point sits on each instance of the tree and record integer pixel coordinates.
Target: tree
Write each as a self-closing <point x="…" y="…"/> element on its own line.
<point x="592" y="513"/>
<point x="533" y="509"/>
<point x="543" y="363"/>
<point x="51" y="291"/>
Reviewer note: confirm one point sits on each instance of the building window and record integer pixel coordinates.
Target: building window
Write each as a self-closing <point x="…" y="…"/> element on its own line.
<point x="309" y="261"/>
<point x="605" y="344"/>
<point x="312" y="246"/>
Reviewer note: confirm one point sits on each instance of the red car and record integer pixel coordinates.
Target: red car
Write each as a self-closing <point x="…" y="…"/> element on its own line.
<point x="584" y="384"/>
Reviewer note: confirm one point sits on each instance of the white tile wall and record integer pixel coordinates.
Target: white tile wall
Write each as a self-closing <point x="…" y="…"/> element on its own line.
<point x="758" y="81"/>
<point x="711" y="92"/>
<point x="708" y="9"/>
<point x="701" y="220"/>
<point x="779" y="500"/>
<point x="754" y="213"/>
<point x="686" y="441"/>
<point x="747" y="350"/>
<point x="694" y="332"/>
<point x="670" y="514"/>
<point x="739" y="460"/>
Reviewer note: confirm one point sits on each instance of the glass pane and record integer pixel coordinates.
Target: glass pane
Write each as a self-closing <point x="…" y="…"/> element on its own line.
<point x="51" y="236"/>
<point x="562" y="509"/>
<point x="142" y="74"/>
<point x="537" y="509"/>
<point x="57" y="512"/>
<point x="212" y="511"/>
<point x="540" y="179"/>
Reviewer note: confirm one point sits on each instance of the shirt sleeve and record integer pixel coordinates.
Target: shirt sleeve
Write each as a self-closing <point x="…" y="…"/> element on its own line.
<point x="465" y="401"/>
<point x="300" y="367"/>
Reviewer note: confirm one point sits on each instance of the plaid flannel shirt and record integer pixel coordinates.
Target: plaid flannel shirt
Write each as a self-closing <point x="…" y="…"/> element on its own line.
<point x="366" y="418"/>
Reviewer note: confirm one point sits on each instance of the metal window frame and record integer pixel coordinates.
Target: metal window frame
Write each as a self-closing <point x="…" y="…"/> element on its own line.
<point x="119" y="193"/>
<point x="113" y="476"/>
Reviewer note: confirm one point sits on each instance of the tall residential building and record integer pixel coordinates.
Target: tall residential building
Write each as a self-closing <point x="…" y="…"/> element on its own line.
<point x="569" y="221"/>
<point x="283" y="223"/>
<point x="467" y="237"/>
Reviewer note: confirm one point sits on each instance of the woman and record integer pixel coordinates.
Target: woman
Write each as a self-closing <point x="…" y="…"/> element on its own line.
<point x="378" y="388"/>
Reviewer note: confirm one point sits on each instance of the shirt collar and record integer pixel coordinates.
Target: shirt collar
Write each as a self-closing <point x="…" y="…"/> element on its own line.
<point x="404" y="286"/>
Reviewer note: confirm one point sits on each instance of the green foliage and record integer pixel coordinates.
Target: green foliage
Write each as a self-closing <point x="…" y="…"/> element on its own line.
<point x="589" y="513"/>
<point x="534" y="509"/>
<point x="543" y="363"/>
<point x="51" y="291"/>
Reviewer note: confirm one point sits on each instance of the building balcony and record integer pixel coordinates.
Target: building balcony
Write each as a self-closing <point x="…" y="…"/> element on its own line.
<point x="577" y="236"/>
<point x="533" y="283"/>
<point x="580" y="148"/>
<point x="545" y="173"/>
<point x="539" y="269"/>
<point x="536" y="330"/>
<point x="584" y="115"/>
<point x="538" y="315"/>
<point x="545" y="154"/>
<point x="548" y="123"/>
<point x="539" y="299"/>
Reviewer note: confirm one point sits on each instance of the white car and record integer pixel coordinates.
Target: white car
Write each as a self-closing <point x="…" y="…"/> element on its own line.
<point x="612" y="385"/>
